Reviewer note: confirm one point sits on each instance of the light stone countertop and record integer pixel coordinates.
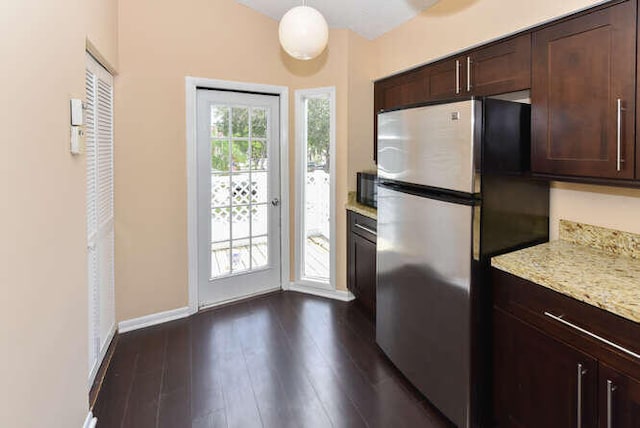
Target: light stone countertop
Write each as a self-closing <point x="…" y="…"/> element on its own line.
<point x="586" y="265"/>
<point x="353" y="205"/>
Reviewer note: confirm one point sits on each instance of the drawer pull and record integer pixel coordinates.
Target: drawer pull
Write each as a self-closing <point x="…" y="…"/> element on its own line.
<point x="366" y="229"/>
<point x="561" y="320"/>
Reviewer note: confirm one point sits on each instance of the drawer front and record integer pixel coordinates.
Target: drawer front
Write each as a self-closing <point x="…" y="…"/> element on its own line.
<point x="363" y="226"/>
<point x="600" y="333"/>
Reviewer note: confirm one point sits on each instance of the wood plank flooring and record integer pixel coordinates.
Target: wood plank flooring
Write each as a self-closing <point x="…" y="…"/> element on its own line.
<point x="283" y="360"/>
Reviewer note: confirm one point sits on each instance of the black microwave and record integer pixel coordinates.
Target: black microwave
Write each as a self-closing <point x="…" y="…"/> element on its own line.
<point x="367" y="193"/>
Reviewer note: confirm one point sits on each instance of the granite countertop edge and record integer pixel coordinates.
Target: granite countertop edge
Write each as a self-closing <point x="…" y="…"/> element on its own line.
<point x="356" y="207"/>
<point x="607" y="281"/>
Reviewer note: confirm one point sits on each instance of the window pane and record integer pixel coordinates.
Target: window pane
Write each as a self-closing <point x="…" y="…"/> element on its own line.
<point x="259" y="219"/>
<point x="240" y="121"/>
<point x="240" y="222"/>
<point x="220" y="156"/>
<point x="259" y="123"/>
<point x="259" y="155"/>
<point x="220" y="259"/>
<point x="220" y="224"/>
<point x="240" y="255"/>
<point x="259" y="187"/>
<point x="220" y="191"/>
<point x="219" y="121"/>
<point x="240" y="155"/>
<point x="317" y="190"/>
<point x="240" y="189"/>
<point x="259" y="252"/>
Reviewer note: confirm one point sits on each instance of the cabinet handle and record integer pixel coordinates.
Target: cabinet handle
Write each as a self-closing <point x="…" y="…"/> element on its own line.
<point x="457" y="77"/>
<point x="581" y="373"/>
<point x="610" y="388"/>
<point x="469" y="62"/>
<point x="560" y="319"/>
<point x="366" y="229"/>
<point x="619" y="136"/>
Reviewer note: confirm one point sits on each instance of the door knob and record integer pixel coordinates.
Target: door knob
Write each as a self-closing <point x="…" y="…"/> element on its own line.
<point x="275" y="202"/>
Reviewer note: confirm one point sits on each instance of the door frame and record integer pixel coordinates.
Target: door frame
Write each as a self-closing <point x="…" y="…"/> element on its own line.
<point x="192" y="84"/>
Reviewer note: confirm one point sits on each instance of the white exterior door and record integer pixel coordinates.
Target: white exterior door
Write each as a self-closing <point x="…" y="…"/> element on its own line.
<point x="238" y="195"/>
<point x="100" y="229"/>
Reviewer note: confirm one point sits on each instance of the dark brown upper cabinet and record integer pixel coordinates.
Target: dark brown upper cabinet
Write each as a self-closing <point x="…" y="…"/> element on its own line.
<point x="499" y="68"/>
<point x="445" y="79"/>
<point x="491" y="70"/>
<point x="408" y="88"/>
<point x="583" y="95"/>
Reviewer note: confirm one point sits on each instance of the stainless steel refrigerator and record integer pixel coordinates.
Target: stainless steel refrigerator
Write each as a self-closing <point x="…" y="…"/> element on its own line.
<point x="454" y="190"/>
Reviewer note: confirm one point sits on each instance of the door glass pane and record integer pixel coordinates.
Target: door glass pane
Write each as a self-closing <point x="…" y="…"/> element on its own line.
<point x="239" y="189"/>
<point x="317" y="190"/>
<point x="241" y="255"/>
<point x="219" y="121"/>
<point x="259" y="219"/>
<point x="259" y="253"/>
<point x="220" y="259"/>
<point x="259" y="123"/>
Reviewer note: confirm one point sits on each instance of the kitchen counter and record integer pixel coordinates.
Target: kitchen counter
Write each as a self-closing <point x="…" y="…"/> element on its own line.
<point x="595" y="265"/>
<point x="353" y="205"/>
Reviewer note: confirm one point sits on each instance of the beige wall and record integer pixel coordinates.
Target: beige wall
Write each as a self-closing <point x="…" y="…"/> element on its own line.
<point x="615" y="208"/>
<point x="44" y="320"/>
<point x="211" y="39"/>
<point x="453" y="25"/>
<point x="362" y="70"/>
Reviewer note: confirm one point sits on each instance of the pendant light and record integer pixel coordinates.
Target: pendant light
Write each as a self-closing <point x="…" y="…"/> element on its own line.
<point x="303" y="32"/>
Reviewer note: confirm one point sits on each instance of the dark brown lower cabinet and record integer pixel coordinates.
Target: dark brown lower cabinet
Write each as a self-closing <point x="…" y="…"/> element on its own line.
<point x="361" y="260"/>
<point x="619" y="399"/>
<point x="539" y="381"/>
<point x="554" y="365"/>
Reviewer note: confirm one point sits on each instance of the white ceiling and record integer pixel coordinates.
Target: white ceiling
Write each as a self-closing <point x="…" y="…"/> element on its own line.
<point x="369" y="18"/>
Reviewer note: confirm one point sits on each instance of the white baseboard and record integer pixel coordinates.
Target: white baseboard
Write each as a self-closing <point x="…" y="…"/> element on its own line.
<point x="103" y="353"/>
<point x="90" y="421"/>
<point x="342" y="295"/>
<point x="153" y="319"/>
<point x="237" y="299"/>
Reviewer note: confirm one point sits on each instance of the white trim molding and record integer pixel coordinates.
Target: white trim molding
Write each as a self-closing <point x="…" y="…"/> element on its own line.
<point x="103" y="353"/>
<point x="90" y="421"/>
<point x="342" y="295"/>
<point x="192" y="84"/>
<point x="300" y="170"/>
<point x="153" y="319"/>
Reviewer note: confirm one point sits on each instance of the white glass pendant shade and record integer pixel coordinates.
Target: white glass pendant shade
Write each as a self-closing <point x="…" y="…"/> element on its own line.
<point x="303" y="32"/>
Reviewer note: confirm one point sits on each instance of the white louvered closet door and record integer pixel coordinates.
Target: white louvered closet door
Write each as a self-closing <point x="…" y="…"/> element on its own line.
<point x="100" y="230"/>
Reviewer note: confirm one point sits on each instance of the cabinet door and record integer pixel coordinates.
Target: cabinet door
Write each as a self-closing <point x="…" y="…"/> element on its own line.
<point x="397" y="91"/>
<point x="583" y="95"/>
<point x="500" y="68"/>
<point x="539" y="381"/>
<point x="404" y="90"/>
<point x="361" y="263"/>
<point x="619" y="399"/>
<point x="445" y="79"/>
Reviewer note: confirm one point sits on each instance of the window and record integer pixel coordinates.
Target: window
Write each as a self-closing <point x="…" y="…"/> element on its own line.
<point x="315" y="170"/>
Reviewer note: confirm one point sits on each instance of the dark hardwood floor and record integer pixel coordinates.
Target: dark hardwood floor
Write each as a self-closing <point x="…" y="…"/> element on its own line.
<point x="283" y="360"/>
